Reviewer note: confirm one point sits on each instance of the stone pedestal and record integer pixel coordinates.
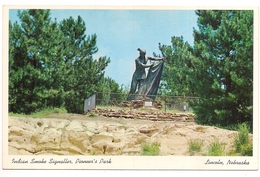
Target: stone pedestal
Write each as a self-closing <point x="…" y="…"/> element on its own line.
<point x="135" y="104"/>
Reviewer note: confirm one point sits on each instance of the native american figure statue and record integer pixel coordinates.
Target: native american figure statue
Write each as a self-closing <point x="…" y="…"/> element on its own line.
<point x="142" y="86"/>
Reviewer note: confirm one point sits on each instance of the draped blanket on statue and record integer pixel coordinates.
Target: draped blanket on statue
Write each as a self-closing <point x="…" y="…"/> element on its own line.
<point x="151" y="84"/>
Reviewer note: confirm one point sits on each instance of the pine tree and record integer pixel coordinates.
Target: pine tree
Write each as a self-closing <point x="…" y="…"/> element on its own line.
<point x="109" y="92"/>
<point x="50" y="63"/>
<point x="178" y="68"/>
<point x="223" y="52"/>
<point x="33" y="46"/>
<point x="82" y="71"/>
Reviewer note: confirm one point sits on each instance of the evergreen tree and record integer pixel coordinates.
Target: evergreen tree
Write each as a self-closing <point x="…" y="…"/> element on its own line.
<point x="178" y="68"/>
<point x="218" y="69"/>
<point x="223" y="79"/>
<point x="33" y="50"/>
<point x="51" y="64"/>
<point x="110" y="92"/>
<point x="82" y="72"/>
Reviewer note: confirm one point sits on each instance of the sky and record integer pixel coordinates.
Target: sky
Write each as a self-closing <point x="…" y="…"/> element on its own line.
<point x="120" y="32"/>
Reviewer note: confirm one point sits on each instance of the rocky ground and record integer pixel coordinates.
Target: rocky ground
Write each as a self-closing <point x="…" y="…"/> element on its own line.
<point x="71" y="134"/>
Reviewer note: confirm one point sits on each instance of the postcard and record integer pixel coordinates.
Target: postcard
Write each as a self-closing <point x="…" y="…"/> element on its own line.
<point x="123" y="88"/>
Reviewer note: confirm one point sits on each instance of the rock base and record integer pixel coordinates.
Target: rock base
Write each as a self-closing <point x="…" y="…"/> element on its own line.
<point x="145" y="115"/>
<point x="135" y="104"/>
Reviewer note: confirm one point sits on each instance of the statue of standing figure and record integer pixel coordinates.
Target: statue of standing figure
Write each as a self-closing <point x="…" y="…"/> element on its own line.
<point x="142" y="86"/>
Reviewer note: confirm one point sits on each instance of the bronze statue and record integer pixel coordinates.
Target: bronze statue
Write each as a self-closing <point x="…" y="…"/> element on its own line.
<point x="142" y="86"/>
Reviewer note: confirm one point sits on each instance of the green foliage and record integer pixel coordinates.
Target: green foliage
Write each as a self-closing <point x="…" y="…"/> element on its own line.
<point x="243" y="145"/>
<point x="228" y="127"/>
<point x="51" y="63"/>
<point x="223" y="50"/>
<point x="151" y="150"/>
<point x="247" y="150"/>
<point x="218" y="68"/>
<point x="177" y="68"/>
<point x="195" y="145"/>
<point x="216" y="148"/>
<point x="16" y="114"/>
<point x="92" y="114"/>
<point x="28" y="60"/>
<point x="109" y="92"/>
<point x="45" y="113"/>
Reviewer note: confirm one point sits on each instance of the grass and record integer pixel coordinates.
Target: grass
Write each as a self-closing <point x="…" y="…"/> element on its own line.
<point x="92" y="114"/>
<point x="216" y="148"/>
<point x="42" y="113"/>
<point x="243" y="145"/>
<point x="227" y="127"/>
<point x="195" y="145"/>
<point x="47" y="112"/>
<point x="16" y="114"/>
<point x="151" y="150"/>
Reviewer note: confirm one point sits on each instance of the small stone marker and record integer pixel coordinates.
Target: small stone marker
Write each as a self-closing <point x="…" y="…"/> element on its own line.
<point x="148" y="103"/>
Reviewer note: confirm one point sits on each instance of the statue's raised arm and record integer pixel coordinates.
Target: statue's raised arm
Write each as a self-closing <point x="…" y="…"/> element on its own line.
<point x="155" y="58"/>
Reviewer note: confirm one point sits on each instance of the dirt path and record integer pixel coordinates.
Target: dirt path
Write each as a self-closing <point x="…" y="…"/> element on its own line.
<point x="71" y="134"/>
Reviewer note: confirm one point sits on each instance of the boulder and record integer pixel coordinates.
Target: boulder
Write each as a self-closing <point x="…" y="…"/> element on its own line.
<point x="101" y="138"/>
<point x="75" y="126"/>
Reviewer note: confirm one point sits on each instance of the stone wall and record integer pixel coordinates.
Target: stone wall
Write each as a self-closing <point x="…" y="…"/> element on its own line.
<point x="135" y="104"/>
<point x="145" y="115"/>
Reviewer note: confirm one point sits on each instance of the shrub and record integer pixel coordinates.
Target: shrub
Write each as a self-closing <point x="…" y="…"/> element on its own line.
<point x="243" y="145"/>
<point x="195" y="145"/>
<point x="151" y="150"/>
<point x="216" y="148"/>
<point x="47" y="112"/>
